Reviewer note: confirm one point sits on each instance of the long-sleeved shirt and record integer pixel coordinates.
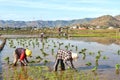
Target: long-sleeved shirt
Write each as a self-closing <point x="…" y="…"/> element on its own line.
<point x="64" y="55"/>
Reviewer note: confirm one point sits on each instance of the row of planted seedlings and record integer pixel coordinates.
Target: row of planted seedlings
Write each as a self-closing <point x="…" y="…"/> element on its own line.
<point x="45" y="72"/>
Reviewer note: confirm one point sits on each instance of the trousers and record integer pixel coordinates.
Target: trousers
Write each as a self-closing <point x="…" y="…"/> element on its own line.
<point x="62" y="65"/>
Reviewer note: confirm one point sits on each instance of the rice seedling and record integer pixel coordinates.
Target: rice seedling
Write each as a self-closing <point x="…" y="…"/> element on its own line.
<point x="83" y="50"/>
<point x="33" y="44"/>
<point x="91" y="53"/>
<point x="88" y="64"/>
<point x="52" y="51"/>
<point x="94" y="69"/>
<point x="117" y="71"/>
<point x="76" y="48"/>
<point x="72" y="45"/>
<point x="68" y="44"/>
<point x="40" y="74"/>
<point x="60" y="44"/>
<point x="83" y="53"/>
<point x="44" y="54"/>
<point x="7" y="59"/>
<point x="66" y="47"/>
<point x="45" y="62"/>
<point x="96" y="62"/>
<point x="105" y="57"/>
<point x="118" y="52"/>
<point x="38" y="59"/>
<point x="32" y="61"/>
<point x="117" y="66"/>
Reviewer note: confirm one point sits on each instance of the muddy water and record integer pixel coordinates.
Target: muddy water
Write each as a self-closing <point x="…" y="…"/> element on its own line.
<point x="0" y="65"/>
<point x="106" y="68"/>
<point x="0" y="69"/>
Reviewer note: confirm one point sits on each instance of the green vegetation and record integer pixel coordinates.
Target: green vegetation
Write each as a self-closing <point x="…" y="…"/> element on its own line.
<point x="45" y="73"/>
<point x="112" y="33"/>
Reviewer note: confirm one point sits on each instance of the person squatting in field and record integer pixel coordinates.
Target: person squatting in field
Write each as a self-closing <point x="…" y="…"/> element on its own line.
<point x="21" y="54"/>
<point x="64" y="56"/>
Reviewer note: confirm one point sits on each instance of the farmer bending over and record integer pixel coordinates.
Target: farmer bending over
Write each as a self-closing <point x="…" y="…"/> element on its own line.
<point x="21" y="54"/>
<point x="64" y="56"/>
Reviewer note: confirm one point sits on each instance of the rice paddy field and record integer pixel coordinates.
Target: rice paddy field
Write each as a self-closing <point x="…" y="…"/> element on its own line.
<point x="99" y="59"/>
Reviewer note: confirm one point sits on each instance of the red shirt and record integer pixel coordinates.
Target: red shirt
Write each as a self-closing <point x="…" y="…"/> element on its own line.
<point x="21" y="53"/>
<point x="22" y="56"/>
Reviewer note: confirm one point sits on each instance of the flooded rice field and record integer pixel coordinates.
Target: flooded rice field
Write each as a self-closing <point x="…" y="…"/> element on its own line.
<point x="96" y="56"/>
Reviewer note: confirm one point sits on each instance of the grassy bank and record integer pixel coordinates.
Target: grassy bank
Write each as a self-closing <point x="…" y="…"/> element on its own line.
<point x="114" y="33"/>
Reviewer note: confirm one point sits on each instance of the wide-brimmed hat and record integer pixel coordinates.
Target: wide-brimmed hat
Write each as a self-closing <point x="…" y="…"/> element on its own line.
<point x="28" y="52"/>
<point x="74" y="56"/>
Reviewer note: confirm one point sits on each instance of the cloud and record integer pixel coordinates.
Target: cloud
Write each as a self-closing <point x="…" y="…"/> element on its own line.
<point x="89" y="1"/>
<point x="59" y="7"/>
<point x="50" y="5"/>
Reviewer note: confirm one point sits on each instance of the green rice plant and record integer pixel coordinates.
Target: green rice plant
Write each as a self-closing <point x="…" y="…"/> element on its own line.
<point x="33" y="44"/>
<point x="68" y="44"/>
<point x="96" y="62"/>
<point x="41" y="49"/>
<point x="55" y="46"/>
<point x="52" y="51"/>
<point x="37" y="43"/>
<point x="117" y="71"/>
<point x="44" y="73"/>
<point x="72" y="45"/>
<point x="83" y="50"/>
<point x="98" y="55"/>
<point x="94" y="69"/>
<point x="84" y="56"/>
<point x="117" y="66"/>
<point x="43" y="44"/>
<point x="88" y="64"/>
<point x="97" y="58"/>
<point x="91" y="53"/>
<point x="7" y="59"/>
<point x="76" y="48"/>
<point x="32" y="61"/>
<point x="45" y="62"/>
<point x="83" y="53"/>
<point x="44" y="54"/>
<point x="66" y="47"/>
<point x="118" y="52"/>
<point x="105" y="57"/>
<point x="38" y="59"/>
<point x="60" y="44"/>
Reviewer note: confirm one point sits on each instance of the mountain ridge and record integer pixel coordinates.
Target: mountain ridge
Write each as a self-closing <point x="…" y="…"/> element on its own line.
<point x="105" y="20"/>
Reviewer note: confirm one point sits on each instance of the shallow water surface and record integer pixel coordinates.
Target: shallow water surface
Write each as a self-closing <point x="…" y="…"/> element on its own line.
<point x="106" y="64"/>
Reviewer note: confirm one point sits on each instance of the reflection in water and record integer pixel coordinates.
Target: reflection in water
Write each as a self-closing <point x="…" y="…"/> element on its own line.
<point x="0" y="68"/>
<point x="102" y="40"/>
<point x="51" y="45"/>
<point x="117" y="71"/>
<point x="23" y="74"/>
<point x="18" y="73"/>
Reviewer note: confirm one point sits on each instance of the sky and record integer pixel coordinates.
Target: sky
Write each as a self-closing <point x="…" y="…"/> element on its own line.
<point x="29" y="10"/>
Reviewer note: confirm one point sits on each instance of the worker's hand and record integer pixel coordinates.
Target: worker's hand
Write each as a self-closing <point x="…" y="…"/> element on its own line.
<point x="75" y="70"/>
<point x="25" y="64"/>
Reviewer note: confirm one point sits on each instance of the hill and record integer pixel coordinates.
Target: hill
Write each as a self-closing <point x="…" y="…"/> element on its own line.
<point x="40" y="23"/>
<point x="105" y="21"/>
<point x="102" y="21"/>
<point x="117" y="17"/>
